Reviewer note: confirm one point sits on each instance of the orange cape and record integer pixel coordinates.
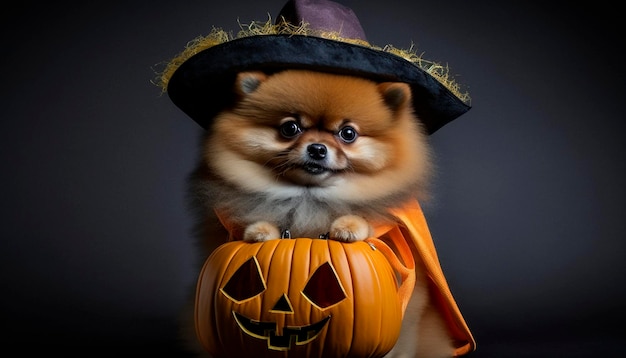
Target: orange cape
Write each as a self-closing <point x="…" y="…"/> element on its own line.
<point x="413" y="230"/>
<point x="411" y="239"/>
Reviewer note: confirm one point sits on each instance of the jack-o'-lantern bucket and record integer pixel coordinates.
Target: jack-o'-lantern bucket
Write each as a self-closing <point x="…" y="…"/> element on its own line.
<point x="302" y="298"/>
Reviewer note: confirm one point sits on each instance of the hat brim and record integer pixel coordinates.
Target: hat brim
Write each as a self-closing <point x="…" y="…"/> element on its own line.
<point x="200" y="87"/>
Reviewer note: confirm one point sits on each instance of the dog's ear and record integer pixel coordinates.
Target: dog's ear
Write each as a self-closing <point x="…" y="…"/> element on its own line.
<point x="248" y="82"/>
<point x="396" y="95"/>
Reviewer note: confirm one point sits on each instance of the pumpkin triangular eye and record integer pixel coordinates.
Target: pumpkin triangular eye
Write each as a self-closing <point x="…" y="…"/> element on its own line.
<point x="324" y="288"/>
<point x="246" y="282"/>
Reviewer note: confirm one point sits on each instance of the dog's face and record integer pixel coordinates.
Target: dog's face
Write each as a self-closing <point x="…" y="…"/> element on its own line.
<point x="332" y="135"/>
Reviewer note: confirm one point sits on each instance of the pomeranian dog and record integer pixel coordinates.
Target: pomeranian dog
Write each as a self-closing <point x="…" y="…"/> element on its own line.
<point x="310" y="154"/>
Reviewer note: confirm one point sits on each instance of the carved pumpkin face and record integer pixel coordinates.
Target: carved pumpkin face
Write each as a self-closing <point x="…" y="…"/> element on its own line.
<point x="298" y="298"/>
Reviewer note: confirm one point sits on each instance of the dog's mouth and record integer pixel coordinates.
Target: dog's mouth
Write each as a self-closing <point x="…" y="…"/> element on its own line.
<point x="314" y="168"/>
<point x="309" y="173"/>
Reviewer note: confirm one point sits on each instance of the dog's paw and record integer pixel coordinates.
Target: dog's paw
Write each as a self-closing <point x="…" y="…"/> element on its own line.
<point x="261" y="231"/>
<point x="350" y="228"/>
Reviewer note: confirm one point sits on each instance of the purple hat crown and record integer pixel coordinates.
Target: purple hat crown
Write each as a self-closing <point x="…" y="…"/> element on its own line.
<point x="323" y="15"/>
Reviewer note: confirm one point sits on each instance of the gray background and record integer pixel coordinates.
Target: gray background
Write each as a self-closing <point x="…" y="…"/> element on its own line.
<point x="529" y="212"/>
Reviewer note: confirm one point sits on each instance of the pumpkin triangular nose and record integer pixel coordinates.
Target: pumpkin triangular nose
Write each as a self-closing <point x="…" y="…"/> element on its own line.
<point x="283" y="305"/>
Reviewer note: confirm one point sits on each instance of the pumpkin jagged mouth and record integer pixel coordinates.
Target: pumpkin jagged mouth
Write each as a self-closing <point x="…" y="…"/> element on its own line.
<point x="267" y="330"/>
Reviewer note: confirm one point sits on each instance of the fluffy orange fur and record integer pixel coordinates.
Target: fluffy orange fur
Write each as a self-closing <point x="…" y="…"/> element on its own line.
<point x="315" y="154"/>
<point x="253" y="173"/>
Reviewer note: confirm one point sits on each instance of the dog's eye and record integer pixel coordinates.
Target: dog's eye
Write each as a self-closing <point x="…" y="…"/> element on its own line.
<point x="290" y="129"/>
<point x="347" y="134"/>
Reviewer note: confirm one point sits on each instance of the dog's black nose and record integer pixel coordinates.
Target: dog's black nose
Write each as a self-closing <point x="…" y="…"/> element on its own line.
<point x="317" y="151"/>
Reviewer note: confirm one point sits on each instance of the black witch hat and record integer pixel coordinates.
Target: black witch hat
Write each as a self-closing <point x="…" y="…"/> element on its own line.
<point x="317" y="35"/>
